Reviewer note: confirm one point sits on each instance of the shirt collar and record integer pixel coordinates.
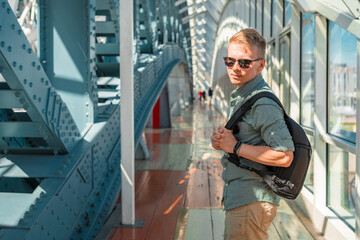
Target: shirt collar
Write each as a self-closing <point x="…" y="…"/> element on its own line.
<point x="247" y="88"/>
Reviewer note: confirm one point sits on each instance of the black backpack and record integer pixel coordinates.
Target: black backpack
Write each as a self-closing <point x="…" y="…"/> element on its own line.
<point x="285" y="182"/>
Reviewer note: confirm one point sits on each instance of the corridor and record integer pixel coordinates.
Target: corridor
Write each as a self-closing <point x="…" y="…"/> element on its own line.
<point x="179" y="189"/>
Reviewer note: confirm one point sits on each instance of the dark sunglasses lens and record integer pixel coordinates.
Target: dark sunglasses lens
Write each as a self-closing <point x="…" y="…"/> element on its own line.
<point x="229" y="62"/>
<point x="244" y="63"/>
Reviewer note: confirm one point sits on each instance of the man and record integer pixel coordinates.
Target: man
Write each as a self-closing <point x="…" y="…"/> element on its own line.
<point x="210" y="94"/>
<point x="249" y="203"/>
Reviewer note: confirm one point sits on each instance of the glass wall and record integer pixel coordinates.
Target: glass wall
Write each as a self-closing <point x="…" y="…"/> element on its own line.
<point x="262" y="17"/>
<point x="342" y="83"/>
<point x="341" y="175"/>
<point x="273" y="17"/>
<point x="285" y="71"/>
<point x="256" y="15"/>
<point x="286" y="13"/>
<point x="307" y="70"/>
<point x="309" y="180"/>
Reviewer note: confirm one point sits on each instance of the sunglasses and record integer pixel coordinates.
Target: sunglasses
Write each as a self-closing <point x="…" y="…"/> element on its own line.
<point x="243" y="63"/>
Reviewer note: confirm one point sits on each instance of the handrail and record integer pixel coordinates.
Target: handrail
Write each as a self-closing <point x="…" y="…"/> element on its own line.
<point x="150" y="80"/>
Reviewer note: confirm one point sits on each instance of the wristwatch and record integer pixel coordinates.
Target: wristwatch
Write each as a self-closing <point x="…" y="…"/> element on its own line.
<point x="236" y="147"/>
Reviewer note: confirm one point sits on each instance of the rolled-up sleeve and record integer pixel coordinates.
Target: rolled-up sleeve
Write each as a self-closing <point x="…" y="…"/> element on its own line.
<point x="268" y="119"/>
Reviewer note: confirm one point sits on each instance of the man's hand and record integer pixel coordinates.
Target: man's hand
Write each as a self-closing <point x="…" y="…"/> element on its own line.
<point x="223" y="139"/>
<point x="215" y="140"/>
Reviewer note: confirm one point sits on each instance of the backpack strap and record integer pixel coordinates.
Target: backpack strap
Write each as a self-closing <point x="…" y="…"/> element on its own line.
<point x="240" y="112"/>
<point x="238" y="115"/>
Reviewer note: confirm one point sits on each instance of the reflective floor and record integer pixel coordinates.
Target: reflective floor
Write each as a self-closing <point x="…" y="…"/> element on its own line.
<point x="178" y="190"/>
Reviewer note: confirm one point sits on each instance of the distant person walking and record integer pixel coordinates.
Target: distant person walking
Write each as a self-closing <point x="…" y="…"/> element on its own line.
<point x="204" y="95"/>
<point x="210" y="94"/>
<point x="200" y="96"/>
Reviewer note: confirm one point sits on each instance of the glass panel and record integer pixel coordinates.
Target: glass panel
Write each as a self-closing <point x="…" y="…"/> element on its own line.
<point x="268" y="65"/>
<point x="273" y="16"/>
<point x="275" y="86"/>
<point x="262" y="17"/>
<point x="250" y="9"/>
<point x="341" y="194"/>
<point x="309" y="180"/>
<point x="287" y="13"/>
<point x="342" y="83"/>
<point x="256" y="14"/>
<point x="307" y="70"/>
<point x="285" y="72"/>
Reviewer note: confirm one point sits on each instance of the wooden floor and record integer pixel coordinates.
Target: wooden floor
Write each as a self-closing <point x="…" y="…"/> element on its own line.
<point x="178" y="190"/>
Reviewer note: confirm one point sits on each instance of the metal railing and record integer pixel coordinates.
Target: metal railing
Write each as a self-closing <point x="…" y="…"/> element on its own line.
<point x="150" y="80"/>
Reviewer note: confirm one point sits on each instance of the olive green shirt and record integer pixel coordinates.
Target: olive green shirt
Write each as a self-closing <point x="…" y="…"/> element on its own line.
<point x="262" y="125"/>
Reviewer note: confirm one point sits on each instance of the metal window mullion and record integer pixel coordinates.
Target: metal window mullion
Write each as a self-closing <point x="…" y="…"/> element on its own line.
<point x="295" y="61"/>
<point x="320" y="114"/>
<point x="357" y="180"/>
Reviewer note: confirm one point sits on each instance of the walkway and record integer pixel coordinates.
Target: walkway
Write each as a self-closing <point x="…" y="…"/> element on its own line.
<point x="178" y="190"/>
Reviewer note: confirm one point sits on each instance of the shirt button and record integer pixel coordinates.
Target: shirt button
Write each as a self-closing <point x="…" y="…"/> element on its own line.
<point x="226" y="184"/>
<point x="224" y="168"/>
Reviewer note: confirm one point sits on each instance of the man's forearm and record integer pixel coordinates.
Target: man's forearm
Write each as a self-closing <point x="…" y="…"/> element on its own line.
<point x="265" y="155"/>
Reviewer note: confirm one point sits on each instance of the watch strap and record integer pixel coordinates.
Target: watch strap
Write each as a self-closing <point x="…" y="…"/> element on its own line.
<point x="236" y="147"/>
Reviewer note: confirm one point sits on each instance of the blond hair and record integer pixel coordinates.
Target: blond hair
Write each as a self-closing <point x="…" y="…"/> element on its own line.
<point x="251" y="37"/>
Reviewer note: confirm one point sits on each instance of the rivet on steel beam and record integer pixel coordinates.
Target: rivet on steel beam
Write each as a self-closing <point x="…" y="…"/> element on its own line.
<point x="9" y="48"/>
<point x="2" y="44"/>
<point x="25" y="81"/>
<point x="38" y="68"/>
<point x="19" y="31"/>
<point x="3" y="4"/>
<point x="42" y="195"/>
<point x="8" y="11"/>
<point x="29" y="50"/>
<point x="30" y="85"/>
<point x="34" y="96"/>
<point x="33" y="64"/>
<point x="20" y="67"/>
<point x="14" y="64"/>
<point x="13" y="26"/>
<point x="42" y="80"/>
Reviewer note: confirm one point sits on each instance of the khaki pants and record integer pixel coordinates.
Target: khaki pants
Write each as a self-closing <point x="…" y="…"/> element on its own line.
<point x="250" y="221"/>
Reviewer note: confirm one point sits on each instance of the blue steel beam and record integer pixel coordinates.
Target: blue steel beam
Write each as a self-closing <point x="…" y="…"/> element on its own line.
<point x="23" y="73"/>
<point x="107" y="38"/>
<point x="66" y="45"/>
<point x="145" y="19"/>
<point x="107" y="55"/>
<point x="74" y="193"/>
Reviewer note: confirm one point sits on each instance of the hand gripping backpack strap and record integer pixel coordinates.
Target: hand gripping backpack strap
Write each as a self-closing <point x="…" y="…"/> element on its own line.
<point x="237" y="116"/>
